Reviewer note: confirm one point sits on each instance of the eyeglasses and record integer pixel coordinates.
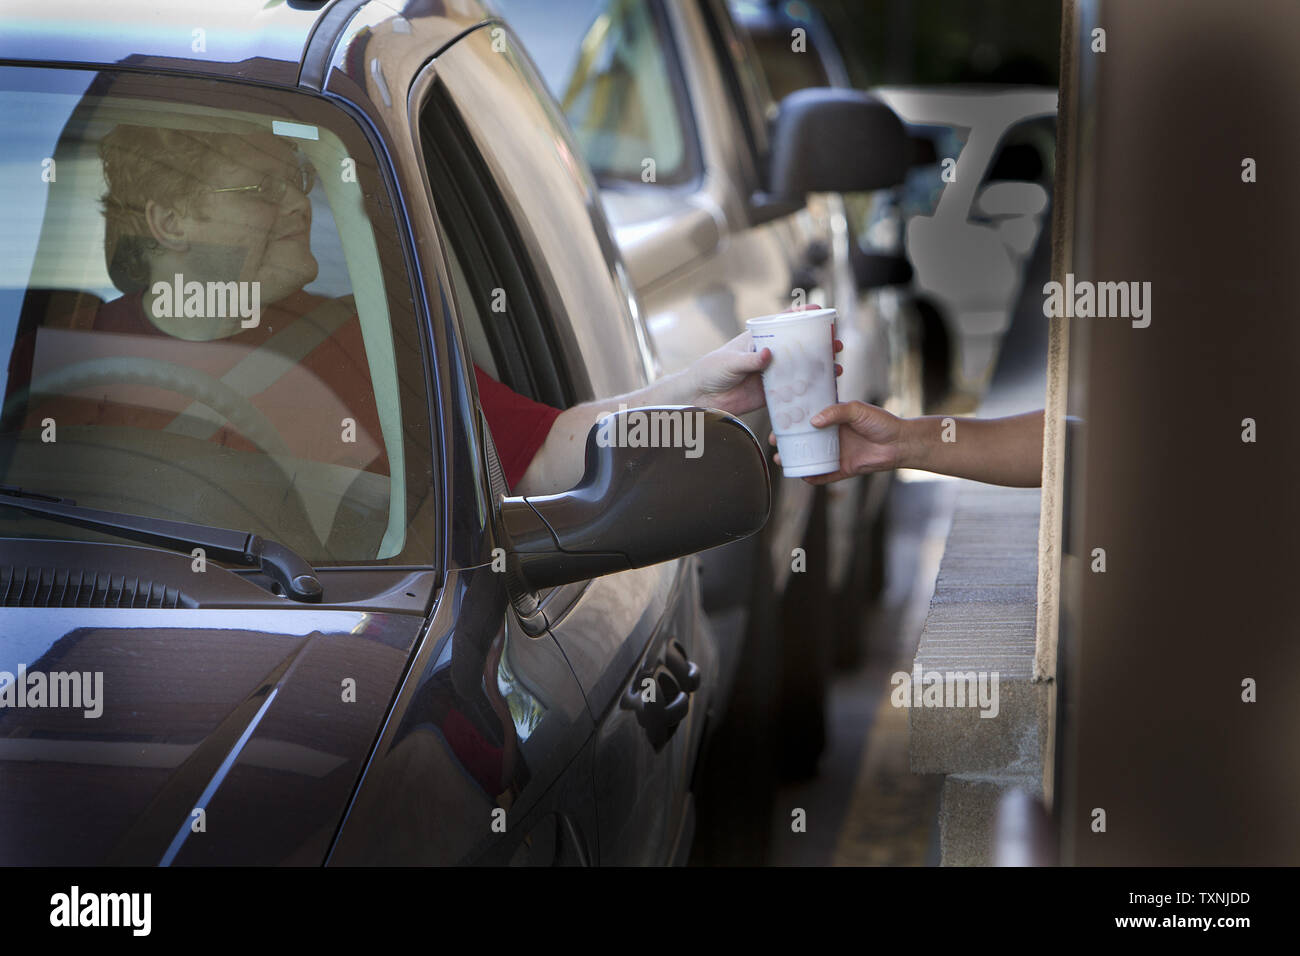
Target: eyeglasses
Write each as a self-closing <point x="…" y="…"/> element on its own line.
<point x="273" y="188"/>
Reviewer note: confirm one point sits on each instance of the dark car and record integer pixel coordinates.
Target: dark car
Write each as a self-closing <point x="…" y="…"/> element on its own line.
<point x="267" y="598"/>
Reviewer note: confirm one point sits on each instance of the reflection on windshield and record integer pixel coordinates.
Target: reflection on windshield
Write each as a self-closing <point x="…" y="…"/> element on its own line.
<point x="182" y="309"/>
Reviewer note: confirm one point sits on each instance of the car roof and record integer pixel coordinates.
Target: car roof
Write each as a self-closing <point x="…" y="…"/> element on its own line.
<point x="263" y="41"/>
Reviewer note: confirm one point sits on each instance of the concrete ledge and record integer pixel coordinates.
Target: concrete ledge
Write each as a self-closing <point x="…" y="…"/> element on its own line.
<point x="981" y="623"/>
<point x="958" y="740"/>
<point x="968" y="809"/>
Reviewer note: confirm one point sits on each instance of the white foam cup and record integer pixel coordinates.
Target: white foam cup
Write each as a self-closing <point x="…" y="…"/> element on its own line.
<point x="798" y="383"/>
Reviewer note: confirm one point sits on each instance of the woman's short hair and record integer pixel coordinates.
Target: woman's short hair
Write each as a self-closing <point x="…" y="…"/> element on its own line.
<point x="169" y="166"/>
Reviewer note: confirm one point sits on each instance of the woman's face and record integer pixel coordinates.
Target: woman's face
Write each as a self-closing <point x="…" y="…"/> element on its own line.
<point x="253" y="235"/>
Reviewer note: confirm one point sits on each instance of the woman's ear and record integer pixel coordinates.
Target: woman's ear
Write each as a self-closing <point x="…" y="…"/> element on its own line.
<point x="165" y="226"/>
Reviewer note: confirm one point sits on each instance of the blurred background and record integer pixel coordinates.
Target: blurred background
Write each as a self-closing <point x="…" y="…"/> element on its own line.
<point x="946" y="41"/>
<point x="975" y="82"/>
<point x="936" y="274"/>
<point x="937" y="279"/>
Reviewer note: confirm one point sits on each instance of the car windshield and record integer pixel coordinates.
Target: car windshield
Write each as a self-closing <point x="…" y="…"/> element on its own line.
<point x="199" y="298"/>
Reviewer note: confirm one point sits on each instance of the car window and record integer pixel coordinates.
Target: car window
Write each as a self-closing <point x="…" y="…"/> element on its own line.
<point x="739" y="62"/>
<point x="476" y="329"/>
<point x="887" y="211"/>
<point x="788" y="70"/>
<point x="611" y="66"/>
<point x="205" y="315"/>
<point x="787" y="61"/>
<point x="1026" y="153"/>
<point x="530" y="223"/>
<point x="497" y="290"/>
<point x="924" y="185"/>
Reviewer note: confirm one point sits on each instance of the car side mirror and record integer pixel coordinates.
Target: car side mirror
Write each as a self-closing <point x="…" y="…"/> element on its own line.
<point x="833" y="141"/>
<point x="659" y="483"/>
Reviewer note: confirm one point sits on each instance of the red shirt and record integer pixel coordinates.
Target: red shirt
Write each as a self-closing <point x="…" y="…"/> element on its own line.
<point x="519" y="425"/>
<point x="307" y="395"/>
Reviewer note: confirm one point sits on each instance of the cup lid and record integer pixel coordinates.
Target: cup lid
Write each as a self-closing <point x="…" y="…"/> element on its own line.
<point x="781" y="318"/>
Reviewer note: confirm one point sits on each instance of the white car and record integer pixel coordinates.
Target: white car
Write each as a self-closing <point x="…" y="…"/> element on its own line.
<point x="972" y="218"/>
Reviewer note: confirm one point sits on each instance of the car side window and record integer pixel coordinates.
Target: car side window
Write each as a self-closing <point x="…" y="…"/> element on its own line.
<point x="612" y="67"/>
<point x="1027" y="153"/>
<point x="788" y="70"/>
<point x="497" y="292"/>
<point x="736" y="60"/>
<point x="511" y="192"/>
<point x="924" y="185"/>
<point x="743" y="58"/>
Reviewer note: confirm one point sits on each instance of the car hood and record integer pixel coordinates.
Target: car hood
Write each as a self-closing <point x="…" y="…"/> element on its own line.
<point x="192" y="736"/>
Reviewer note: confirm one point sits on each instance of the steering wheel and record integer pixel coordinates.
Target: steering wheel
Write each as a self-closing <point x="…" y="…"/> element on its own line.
<point x="191" y="383"/>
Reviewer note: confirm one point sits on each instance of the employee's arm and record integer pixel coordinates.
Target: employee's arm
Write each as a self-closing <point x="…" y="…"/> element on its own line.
<point x="1000" y="451"/>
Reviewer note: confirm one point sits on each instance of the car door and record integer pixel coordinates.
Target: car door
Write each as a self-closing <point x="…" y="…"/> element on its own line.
<point x="633" y="638"/>
<point x="485" y="757"/>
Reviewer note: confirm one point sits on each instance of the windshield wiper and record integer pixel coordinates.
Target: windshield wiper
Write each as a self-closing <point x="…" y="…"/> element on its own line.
<point x="284" y="565"/>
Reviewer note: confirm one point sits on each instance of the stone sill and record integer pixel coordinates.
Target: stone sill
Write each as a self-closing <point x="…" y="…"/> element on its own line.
<point x="982" y="620"/>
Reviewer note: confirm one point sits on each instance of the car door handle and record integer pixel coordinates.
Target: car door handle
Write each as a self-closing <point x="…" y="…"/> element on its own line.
<point x="668" y="707"/>
<point x="676" y="709"/>
<point x="683" y="668"/>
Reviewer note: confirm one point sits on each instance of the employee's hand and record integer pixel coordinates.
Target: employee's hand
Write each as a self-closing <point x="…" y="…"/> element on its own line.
<point x="870" y="440"/>
<point x="1000" y="451"/>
